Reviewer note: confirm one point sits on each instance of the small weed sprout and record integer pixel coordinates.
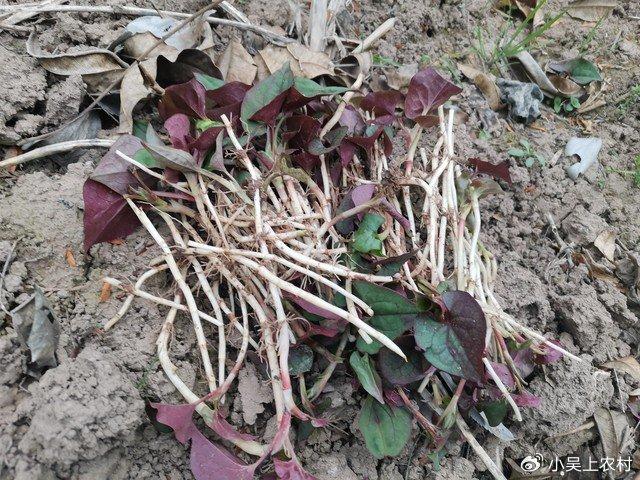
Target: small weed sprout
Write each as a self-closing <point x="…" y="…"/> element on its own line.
<point x="528" y="154"/>
<point x="567" y="105"/>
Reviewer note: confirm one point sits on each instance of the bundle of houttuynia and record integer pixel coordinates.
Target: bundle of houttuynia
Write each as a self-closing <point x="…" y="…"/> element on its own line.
<point x="309" y="224"/>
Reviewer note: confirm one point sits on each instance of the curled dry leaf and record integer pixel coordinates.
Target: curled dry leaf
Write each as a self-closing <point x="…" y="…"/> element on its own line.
<point x="38" y="330"/>
<point x="535" y="73"/>
<point x="566" y="86"/>
<point x="485" y="83"/>
<point x="606" y="243"/>
<point x="140" y="34"/>
<point x="98" y="66"/>
<point x="399" y="78"/>
<point x="613" y="428"/>
<point x="83" y="127"/>
<point x="627" y="365"/>
<point x="591" y="10"/>
<point x="236" y="65"/>
<point x="585" y="148"/>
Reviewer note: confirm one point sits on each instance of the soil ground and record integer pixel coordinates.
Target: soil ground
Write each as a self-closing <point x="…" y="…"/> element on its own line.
<point x="86" y="418"/>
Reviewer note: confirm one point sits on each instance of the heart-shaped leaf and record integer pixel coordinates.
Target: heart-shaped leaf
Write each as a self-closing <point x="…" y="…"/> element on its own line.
<point x="107" y="215"/>
<point x="580" y="70"/>
<point x="395" y="370"/>
<point x="427" y="91"/>
<point x="187" y="98"/>
<point x="367" y="375"/>
<point x="386" y="429"/>
<point x="456" y="343"/>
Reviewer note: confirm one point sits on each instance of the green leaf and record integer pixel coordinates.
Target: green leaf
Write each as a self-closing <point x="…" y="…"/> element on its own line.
<point x="557" y="104"/>
<point x="144" y="157"/>
<point x="367" y="375"/>
<point x="386" y="429"/>
<point x="308" y="88"/>
<point x="300" y="359"/>
<point x="140" y="129"/>
<point x="495" y="411"/>
<point x="582" y="71"/>
<point x="383" y="300"/>
<point x="516" y="152"/>
<point x="266" y="97"/>
<point x="575" y="102"/>
<point x="456" y="343"/>
<point x="208" y="82"/>
<point x="365" y="239"/>
<point x="205" y="124"/>
<point x="529" y="162"/>
<point x="393" y="313"/>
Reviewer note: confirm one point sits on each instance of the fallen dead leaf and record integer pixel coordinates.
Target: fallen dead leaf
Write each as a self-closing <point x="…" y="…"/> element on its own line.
<point x="613" y="428"/>
<point x="626" y="365"/>
<point x="312" y="64"/>
<point x="105" y="292"/>
<point x="236" y="65"/>
<point x="485" y="83"/>
<point x="71" y="261"/>
<point x="606" y="243"/>
<point x="98" y="66"/>
<point x="591" y="10"/>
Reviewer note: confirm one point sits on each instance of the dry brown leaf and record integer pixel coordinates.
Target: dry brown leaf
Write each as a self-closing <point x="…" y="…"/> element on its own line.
<point x="275" y="57"/>
<point x="566" y="86"/>
<point x="312" y="64"/>
<point x="105" y="292"/>
<point x="606" y="243"/>
<point x="613" y="428"/>
<point x="71" y="261"/>
<point x="353" y="65"/>
<point x="591" y="10"/>
<point x="263" y="70"/>
<point x="626" y="365"/>
<point x="133" y="89"/>
<point x="535" y="72"/>
<point x="399" y="78"/>
<point x="236" y="65"/>
<point x="485" y="83"/>
<point x="98" y="66"/>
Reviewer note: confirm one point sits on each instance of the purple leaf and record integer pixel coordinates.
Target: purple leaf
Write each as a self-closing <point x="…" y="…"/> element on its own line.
<point x="113" y="171"/>
<point x="225" y="430"/>
<point x="351" y="119"/>
<point x="178" y="417"/>
<point x="549" y="355"/>
<point x="178" y="127"/>
<point x="427" y="91"/>
<point x="187" y="98"/>
<point x="301" y="130"/>
<point x="226" y="100"/>
<point x="395" y="370"/>
<point x="526" y="399"/>
<point x="397" y="215"/>
<point x="383" y="105"/>
<point x="107" y="215"/>
<point x="499" y="171"/>
<point x="524" y="362"/>
<point x="359" y="195"/>
<point x="455" y="343"/>
<point x="205" y="141"/>
<point x="291" y="470"/>
<point x="504" y="374"/>
<point x="362" y="194"/>
<point x="212" y="462"/>
<point x="311" y="308"/>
